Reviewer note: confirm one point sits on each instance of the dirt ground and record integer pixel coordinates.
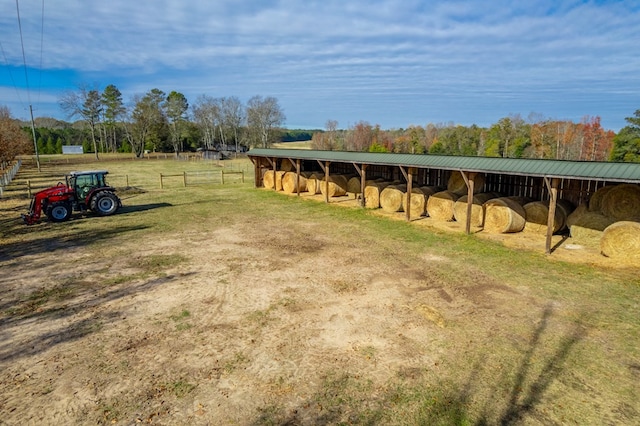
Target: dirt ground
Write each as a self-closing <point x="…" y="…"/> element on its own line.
<point x="259" y="327"/>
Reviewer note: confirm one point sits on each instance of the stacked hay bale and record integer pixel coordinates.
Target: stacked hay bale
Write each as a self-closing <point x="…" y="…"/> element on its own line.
<point x="537" y="216"/>
<point x="621" y="240"/>
<point x="477" y="212"/>
<point x="372" y="191"/>
<point x="504" y="215"/>
<point x="440" y="205"/>
<point x="391" y="198"/>
<point x="290" y="182"/>
<point x="622" y="202"/>
<point x="458" y="186"/>
<point x="287" y="166"/>
<point x="336" y="187"/>
<point x="269" y="178"/>
<point x="608" y="206"/>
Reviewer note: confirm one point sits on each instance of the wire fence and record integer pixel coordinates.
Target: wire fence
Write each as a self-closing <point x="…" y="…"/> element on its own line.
<point x="7" y="176"/>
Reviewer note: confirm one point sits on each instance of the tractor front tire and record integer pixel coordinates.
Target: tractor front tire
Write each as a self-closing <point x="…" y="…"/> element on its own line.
<point x="105" y="203"/>
<point x="59" y="212"/>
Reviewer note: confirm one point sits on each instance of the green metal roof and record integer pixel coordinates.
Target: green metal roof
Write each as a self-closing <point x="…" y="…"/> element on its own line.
<point x="589" y="170"/>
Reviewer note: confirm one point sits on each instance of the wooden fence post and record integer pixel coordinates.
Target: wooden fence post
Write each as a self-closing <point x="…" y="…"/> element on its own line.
<point x="184" y="178"/>
<point x="161" y="187"/>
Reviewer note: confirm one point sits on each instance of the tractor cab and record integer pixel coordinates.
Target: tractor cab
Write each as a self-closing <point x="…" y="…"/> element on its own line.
<point x="84" y="182"/>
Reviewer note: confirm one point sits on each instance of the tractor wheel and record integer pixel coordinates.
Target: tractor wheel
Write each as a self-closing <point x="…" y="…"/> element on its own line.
<point x="105" y="203"/>
<point x="59" y="212"/>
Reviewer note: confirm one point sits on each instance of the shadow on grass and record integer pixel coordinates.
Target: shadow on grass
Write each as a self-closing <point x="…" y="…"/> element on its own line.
<point x="48" y="243"/>
<point x="142" y="207"/>
<point x="347" y="400"/>
<point x="94" y="318"/>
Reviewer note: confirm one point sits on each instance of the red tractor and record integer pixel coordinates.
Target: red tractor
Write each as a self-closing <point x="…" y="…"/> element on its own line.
<point x="83" y="191"/>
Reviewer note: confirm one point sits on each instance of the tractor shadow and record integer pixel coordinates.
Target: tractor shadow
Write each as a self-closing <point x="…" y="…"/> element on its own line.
<point x="126" y="209"/>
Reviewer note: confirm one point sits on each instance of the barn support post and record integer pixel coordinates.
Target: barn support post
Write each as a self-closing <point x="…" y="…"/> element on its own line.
<point x="297" y="176"/>
<point x="552" y="186"/>
<point x="408" y="175"/>
<point x="275" y="164"/>
<point x="362" y="171"/>
<point x="258" y="164"/>
<point x="469" y="179"/>
<point x="363" y="184"/>
<point x="325" y="168"/>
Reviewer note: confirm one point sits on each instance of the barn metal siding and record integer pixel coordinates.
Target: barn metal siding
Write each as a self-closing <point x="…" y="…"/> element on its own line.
<point x="585" y="170"/>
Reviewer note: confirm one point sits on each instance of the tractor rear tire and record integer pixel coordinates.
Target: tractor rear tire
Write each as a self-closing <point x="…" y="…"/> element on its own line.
<point x="105" y="203"/>
<point x="59" y="212"/>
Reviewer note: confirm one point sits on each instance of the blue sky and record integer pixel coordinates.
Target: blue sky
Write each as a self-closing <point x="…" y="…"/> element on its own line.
<point x="393" y="63"/>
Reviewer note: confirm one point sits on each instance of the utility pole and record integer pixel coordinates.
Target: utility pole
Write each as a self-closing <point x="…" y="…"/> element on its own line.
<point x="35" y="143"/>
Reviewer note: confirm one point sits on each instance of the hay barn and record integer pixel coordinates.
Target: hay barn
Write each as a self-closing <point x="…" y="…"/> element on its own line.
<point x="556" y="183"/>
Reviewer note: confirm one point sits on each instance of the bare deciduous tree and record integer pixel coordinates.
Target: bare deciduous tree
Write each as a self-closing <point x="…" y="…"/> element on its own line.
<point x="263" y="117"/>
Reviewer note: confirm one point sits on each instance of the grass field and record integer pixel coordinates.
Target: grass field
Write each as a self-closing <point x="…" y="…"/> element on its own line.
<point x="227" y="304"/>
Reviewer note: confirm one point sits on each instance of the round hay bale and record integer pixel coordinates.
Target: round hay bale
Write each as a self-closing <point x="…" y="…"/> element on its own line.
<point x="440" y="205"/>
<point x="587" y="228"/>
<point x="372" y="190"/>
<point x="419" y="197"/>
<point x="337" y="186"/>
<point x="503" y="215"/>
<point x="519" y="199"/>
<point x="353" y="185"/>
<point x="313" y="183"/>
<point x="576" y="213"/>
<point x="290" y="182"/>
<point x="477" y="213"/>
<point x="537" y="215"/>
<point x="391" y="198"/>
<point x="621" y="240"/>
<point x="457" y="185"/>
<point x="622" y="202"/>
<point x="279" y="176"/>
<point x="287" y="166"/>
<point x="268" y="179"/>
<point x="595" y="202"/>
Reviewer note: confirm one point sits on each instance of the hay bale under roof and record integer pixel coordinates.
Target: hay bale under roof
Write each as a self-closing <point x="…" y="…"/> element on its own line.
<point x="268" y="179"/>
<point x="313" y="183"/>
<point x="353" y="185"/>
<point x="419" y="197"/>
<point x="621" y="240"/>
<point x="391" y="198"/>
<point x="458" y="186"/>
<point x="576" y="214"/>
<point x="372" y="190"/>
<point x="595" y="202"/>
<point x="336" y="187"/>
<point x="622" y="202"/>
<point x="587" y="228"/>
<point x="287" y="166"/>
<point x="477" y="212"/>
<point x="538" y="216"/>
<point x="440" y="205"/>
<point x="504" y="215"/>
<point x="290" y="182"/>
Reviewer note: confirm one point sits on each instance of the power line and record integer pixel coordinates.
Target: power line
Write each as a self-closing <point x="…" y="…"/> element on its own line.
<point x="4" y="56"/>
<point x="41" y="51"/>
<point x="24" y="58"/>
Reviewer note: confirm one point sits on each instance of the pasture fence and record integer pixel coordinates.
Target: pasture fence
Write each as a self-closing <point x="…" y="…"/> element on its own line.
<point x="7" y="176"/>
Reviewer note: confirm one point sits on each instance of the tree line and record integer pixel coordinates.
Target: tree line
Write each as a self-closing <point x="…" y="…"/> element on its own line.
<point x="511" y="136"/>
<point x="156" y="121"/>
<point x="160" y="122"/>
